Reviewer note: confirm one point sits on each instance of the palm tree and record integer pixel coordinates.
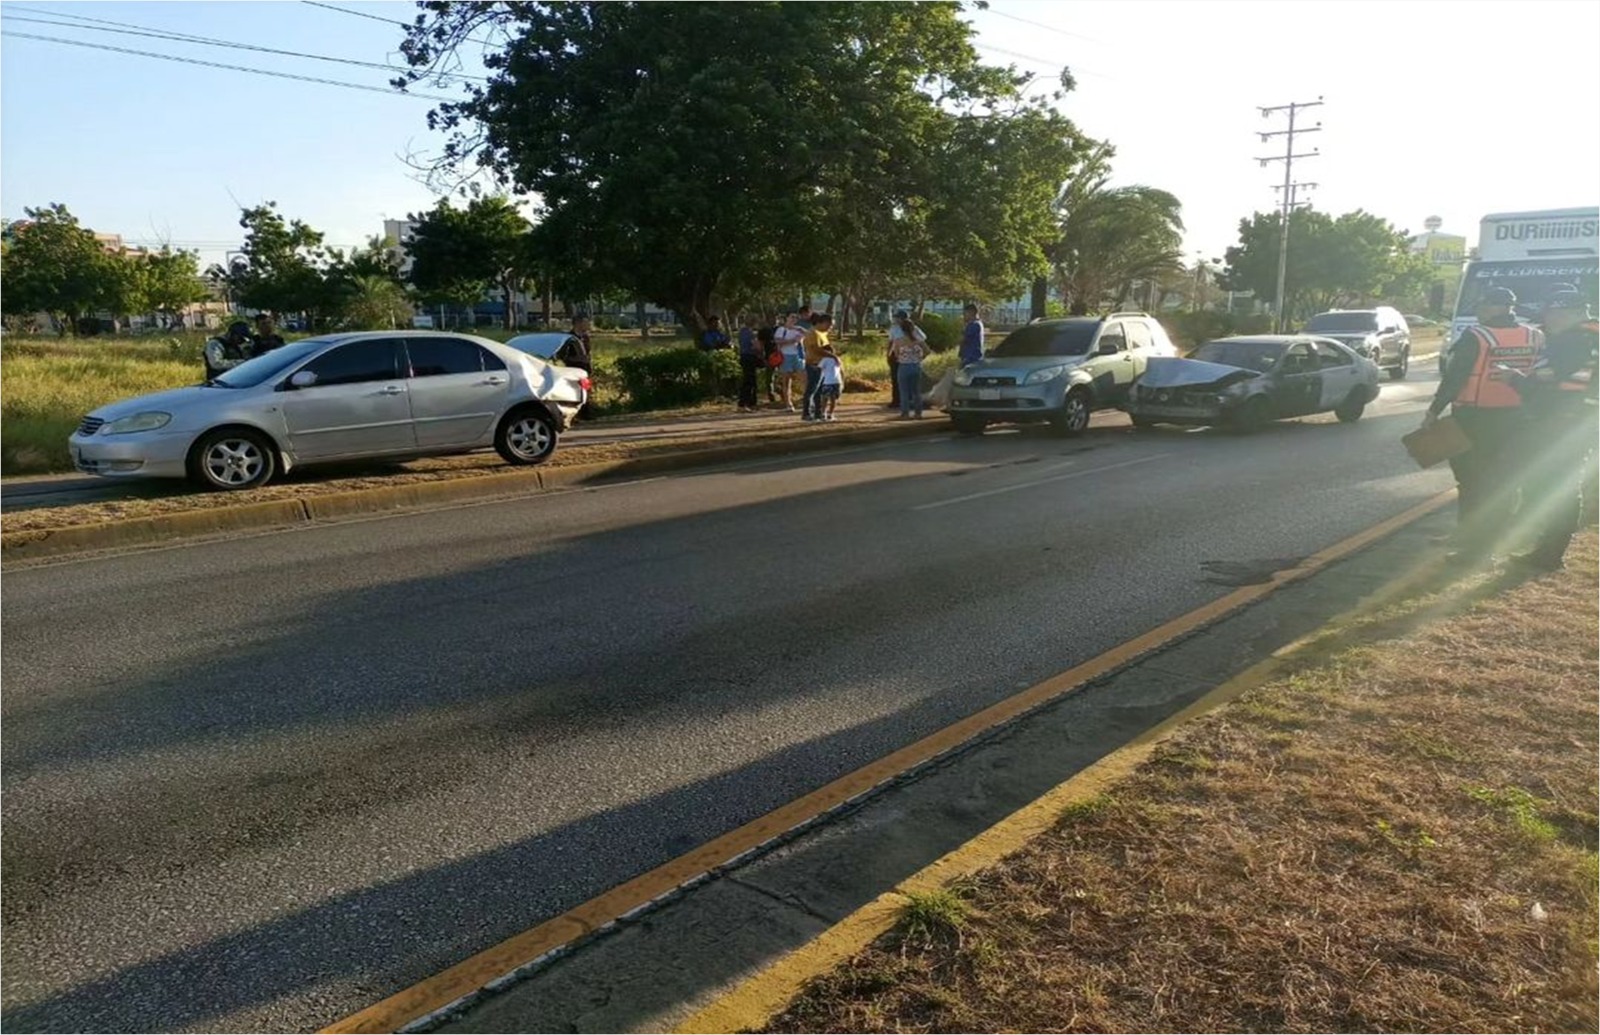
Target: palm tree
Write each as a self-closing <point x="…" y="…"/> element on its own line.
<point x="1113" y="237"/>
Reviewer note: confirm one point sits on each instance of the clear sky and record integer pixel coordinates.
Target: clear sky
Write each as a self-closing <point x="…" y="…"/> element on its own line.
<point x="1432" y="108"/>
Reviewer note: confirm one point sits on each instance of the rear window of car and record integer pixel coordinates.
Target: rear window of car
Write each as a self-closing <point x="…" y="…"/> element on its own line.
<point x="1069" y="338"/>
<point x="1260" y="356"/>
<point x="437" y="357"/>
<point x="1351" y="321"/>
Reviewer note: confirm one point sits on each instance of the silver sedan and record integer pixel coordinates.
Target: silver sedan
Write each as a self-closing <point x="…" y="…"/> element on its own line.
<point x="340" y="397"/>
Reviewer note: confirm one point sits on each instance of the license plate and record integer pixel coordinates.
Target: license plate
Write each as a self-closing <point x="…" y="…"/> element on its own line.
<point x="988" y="394"/>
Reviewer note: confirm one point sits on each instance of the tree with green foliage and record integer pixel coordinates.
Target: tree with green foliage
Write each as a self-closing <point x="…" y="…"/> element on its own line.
<point x="1352" y="260"/>
<point x="701" y="153"/>
<point x="375" y="303"/>
<point x="1112" y="237"/>
<point x="165" y="282"/>
<point x="283" y="267"/>
<point x="54" y="265"/>
<point x="459" y="254"/>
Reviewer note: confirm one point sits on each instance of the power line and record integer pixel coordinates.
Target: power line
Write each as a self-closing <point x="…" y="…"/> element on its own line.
<point x="357" y="14"/>
<point x="389" y="21"/>
<point x="1041" y="25"/>
<point x="230" y="68"/>
<point x="1042" y="63"/>
<point x="137" y="30"/>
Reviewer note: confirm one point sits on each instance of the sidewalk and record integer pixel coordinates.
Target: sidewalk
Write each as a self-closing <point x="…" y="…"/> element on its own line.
<point x="1396" y="837"/>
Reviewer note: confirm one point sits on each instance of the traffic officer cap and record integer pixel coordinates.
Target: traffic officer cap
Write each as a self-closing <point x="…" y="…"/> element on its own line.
<point x="1499" y="296"/>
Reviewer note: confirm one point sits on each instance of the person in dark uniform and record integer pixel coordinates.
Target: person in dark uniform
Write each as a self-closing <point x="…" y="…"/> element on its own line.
<point x="228" y="349"/>
<point x="575" y="352"/>
<point x="1475" y="385"/>
<point x="1558" y="395"/>
<point x="266" y="337"/>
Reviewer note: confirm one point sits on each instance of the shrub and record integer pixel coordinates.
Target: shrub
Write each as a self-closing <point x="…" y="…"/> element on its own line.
<point x="943" y="333"/>
<point x="604" y="322"/>
<point x="665" y="378"/>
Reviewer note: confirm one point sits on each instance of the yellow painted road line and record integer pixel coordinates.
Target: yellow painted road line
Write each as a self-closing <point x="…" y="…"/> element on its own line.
<point x="1038" y="482"/>
<point x="754" y="1002"/>
<point x="502" y="963"/>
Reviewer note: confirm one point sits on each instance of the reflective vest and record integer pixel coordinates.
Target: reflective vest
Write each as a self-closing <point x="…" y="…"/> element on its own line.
<point x="1516" y="347"/>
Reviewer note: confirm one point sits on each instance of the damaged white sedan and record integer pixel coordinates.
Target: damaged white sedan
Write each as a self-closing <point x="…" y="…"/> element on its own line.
<point x="1243" y="383"/>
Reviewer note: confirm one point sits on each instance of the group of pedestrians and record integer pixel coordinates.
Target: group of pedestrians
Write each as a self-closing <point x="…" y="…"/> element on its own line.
<point x="798" y="353"/>
<point x="1525" y="398"/>
<point x="238" y="343"/>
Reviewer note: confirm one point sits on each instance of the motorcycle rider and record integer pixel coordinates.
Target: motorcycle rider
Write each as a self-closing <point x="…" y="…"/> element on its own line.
<point x="229" y="349"/>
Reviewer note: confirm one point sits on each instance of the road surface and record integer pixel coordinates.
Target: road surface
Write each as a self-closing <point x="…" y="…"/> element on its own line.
<point x="260" y="784"/>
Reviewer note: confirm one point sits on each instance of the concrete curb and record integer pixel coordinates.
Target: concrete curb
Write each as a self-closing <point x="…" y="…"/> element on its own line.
<point x="162" y="528"/>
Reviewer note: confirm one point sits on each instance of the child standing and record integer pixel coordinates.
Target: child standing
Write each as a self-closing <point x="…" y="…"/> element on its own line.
<point x="832" y="382"/>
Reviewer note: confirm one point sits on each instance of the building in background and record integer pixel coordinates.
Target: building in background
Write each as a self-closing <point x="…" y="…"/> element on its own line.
<point x="1448" y="253"/>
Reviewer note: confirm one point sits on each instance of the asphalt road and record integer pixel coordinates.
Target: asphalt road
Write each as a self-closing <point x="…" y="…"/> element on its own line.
<point x="258" y="785"/>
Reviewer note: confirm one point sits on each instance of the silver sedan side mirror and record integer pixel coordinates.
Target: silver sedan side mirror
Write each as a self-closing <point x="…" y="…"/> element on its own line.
<point x="303" y="379"/>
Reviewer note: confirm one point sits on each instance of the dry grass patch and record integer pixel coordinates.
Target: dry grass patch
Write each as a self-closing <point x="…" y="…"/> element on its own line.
<point x="1399" y="838"/>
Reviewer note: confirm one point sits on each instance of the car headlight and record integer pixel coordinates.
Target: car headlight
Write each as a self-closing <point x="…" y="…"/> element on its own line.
<point x="138" y="422"/>
<point x="964" y="376"/>
<point x="1039" y="377"/>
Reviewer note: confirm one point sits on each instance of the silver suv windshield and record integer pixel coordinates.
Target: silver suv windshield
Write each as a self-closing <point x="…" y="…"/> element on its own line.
<point x="1054" y="338"/>
<point x="1352" y="321"/>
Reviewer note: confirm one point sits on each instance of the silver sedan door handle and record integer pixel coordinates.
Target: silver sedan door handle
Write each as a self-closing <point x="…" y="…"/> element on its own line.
<point x="391" y="390"/>
<point x="493" y="380"/>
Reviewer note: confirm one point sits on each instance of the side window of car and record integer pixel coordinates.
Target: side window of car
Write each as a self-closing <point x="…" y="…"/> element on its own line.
<point x="1112" y="339"/>
<point x="437" y="357"/>
<point x="376" y="359"/>
<point x="1331" y="356"/>
<point x="1139" y="338"/>
<point x="1298" y="359"/>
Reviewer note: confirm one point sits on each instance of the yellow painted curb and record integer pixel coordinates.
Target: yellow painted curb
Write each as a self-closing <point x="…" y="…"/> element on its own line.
<point x="756" y="1001"/>
<point x="486" y="970"/>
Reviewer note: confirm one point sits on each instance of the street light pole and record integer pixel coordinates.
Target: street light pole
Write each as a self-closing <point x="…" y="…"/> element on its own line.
<point x="1287" y="158"/>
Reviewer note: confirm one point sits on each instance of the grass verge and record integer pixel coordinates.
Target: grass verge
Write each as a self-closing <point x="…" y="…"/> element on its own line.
<point x="1397" y="836"/>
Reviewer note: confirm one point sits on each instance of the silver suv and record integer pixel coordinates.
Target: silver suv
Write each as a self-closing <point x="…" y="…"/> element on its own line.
<point x="1057" y="371"/>
<point x="1381" y="334"/>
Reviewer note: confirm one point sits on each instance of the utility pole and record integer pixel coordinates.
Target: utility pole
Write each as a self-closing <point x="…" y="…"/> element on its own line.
<point x="1287" y="158"/>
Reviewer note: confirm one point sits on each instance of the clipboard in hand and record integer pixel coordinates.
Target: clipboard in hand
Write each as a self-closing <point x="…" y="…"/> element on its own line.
<point x="1437" y="443"/>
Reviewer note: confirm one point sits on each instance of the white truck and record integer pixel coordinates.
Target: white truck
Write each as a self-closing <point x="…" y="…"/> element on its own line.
<point x="1531" y="253"/>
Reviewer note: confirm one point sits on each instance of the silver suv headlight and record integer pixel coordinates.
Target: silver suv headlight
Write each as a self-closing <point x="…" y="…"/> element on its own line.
<point x="137" y="422"/>
<point x="1039" y="377"/>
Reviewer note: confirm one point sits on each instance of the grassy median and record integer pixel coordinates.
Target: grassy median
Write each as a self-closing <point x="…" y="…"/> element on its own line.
<point x="1398" y="836"/>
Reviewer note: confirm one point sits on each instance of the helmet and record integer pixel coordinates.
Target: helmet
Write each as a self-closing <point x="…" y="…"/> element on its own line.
<point x="237" y="328"/>
<point x="901" y="314"/>
<point x="1498" y="296"/>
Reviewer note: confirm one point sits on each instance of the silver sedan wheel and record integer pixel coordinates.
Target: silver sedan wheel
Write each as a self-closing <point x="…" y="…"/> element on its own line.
<point x="530" y="437"/>
<point x="232" y="462"/>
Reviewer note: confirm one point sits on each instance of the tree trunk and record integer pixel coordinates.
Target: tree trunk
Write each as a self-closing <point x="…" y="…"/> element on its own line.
<point x="1039" y="300"/>
<point x="547" y="299"/>
<point x="638" y="316"/>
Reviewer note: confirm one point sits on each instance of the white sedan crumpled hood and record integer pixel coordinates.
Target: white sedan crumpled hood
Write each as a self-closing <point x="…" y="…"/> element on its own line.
<point x="1171" y="372"/>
